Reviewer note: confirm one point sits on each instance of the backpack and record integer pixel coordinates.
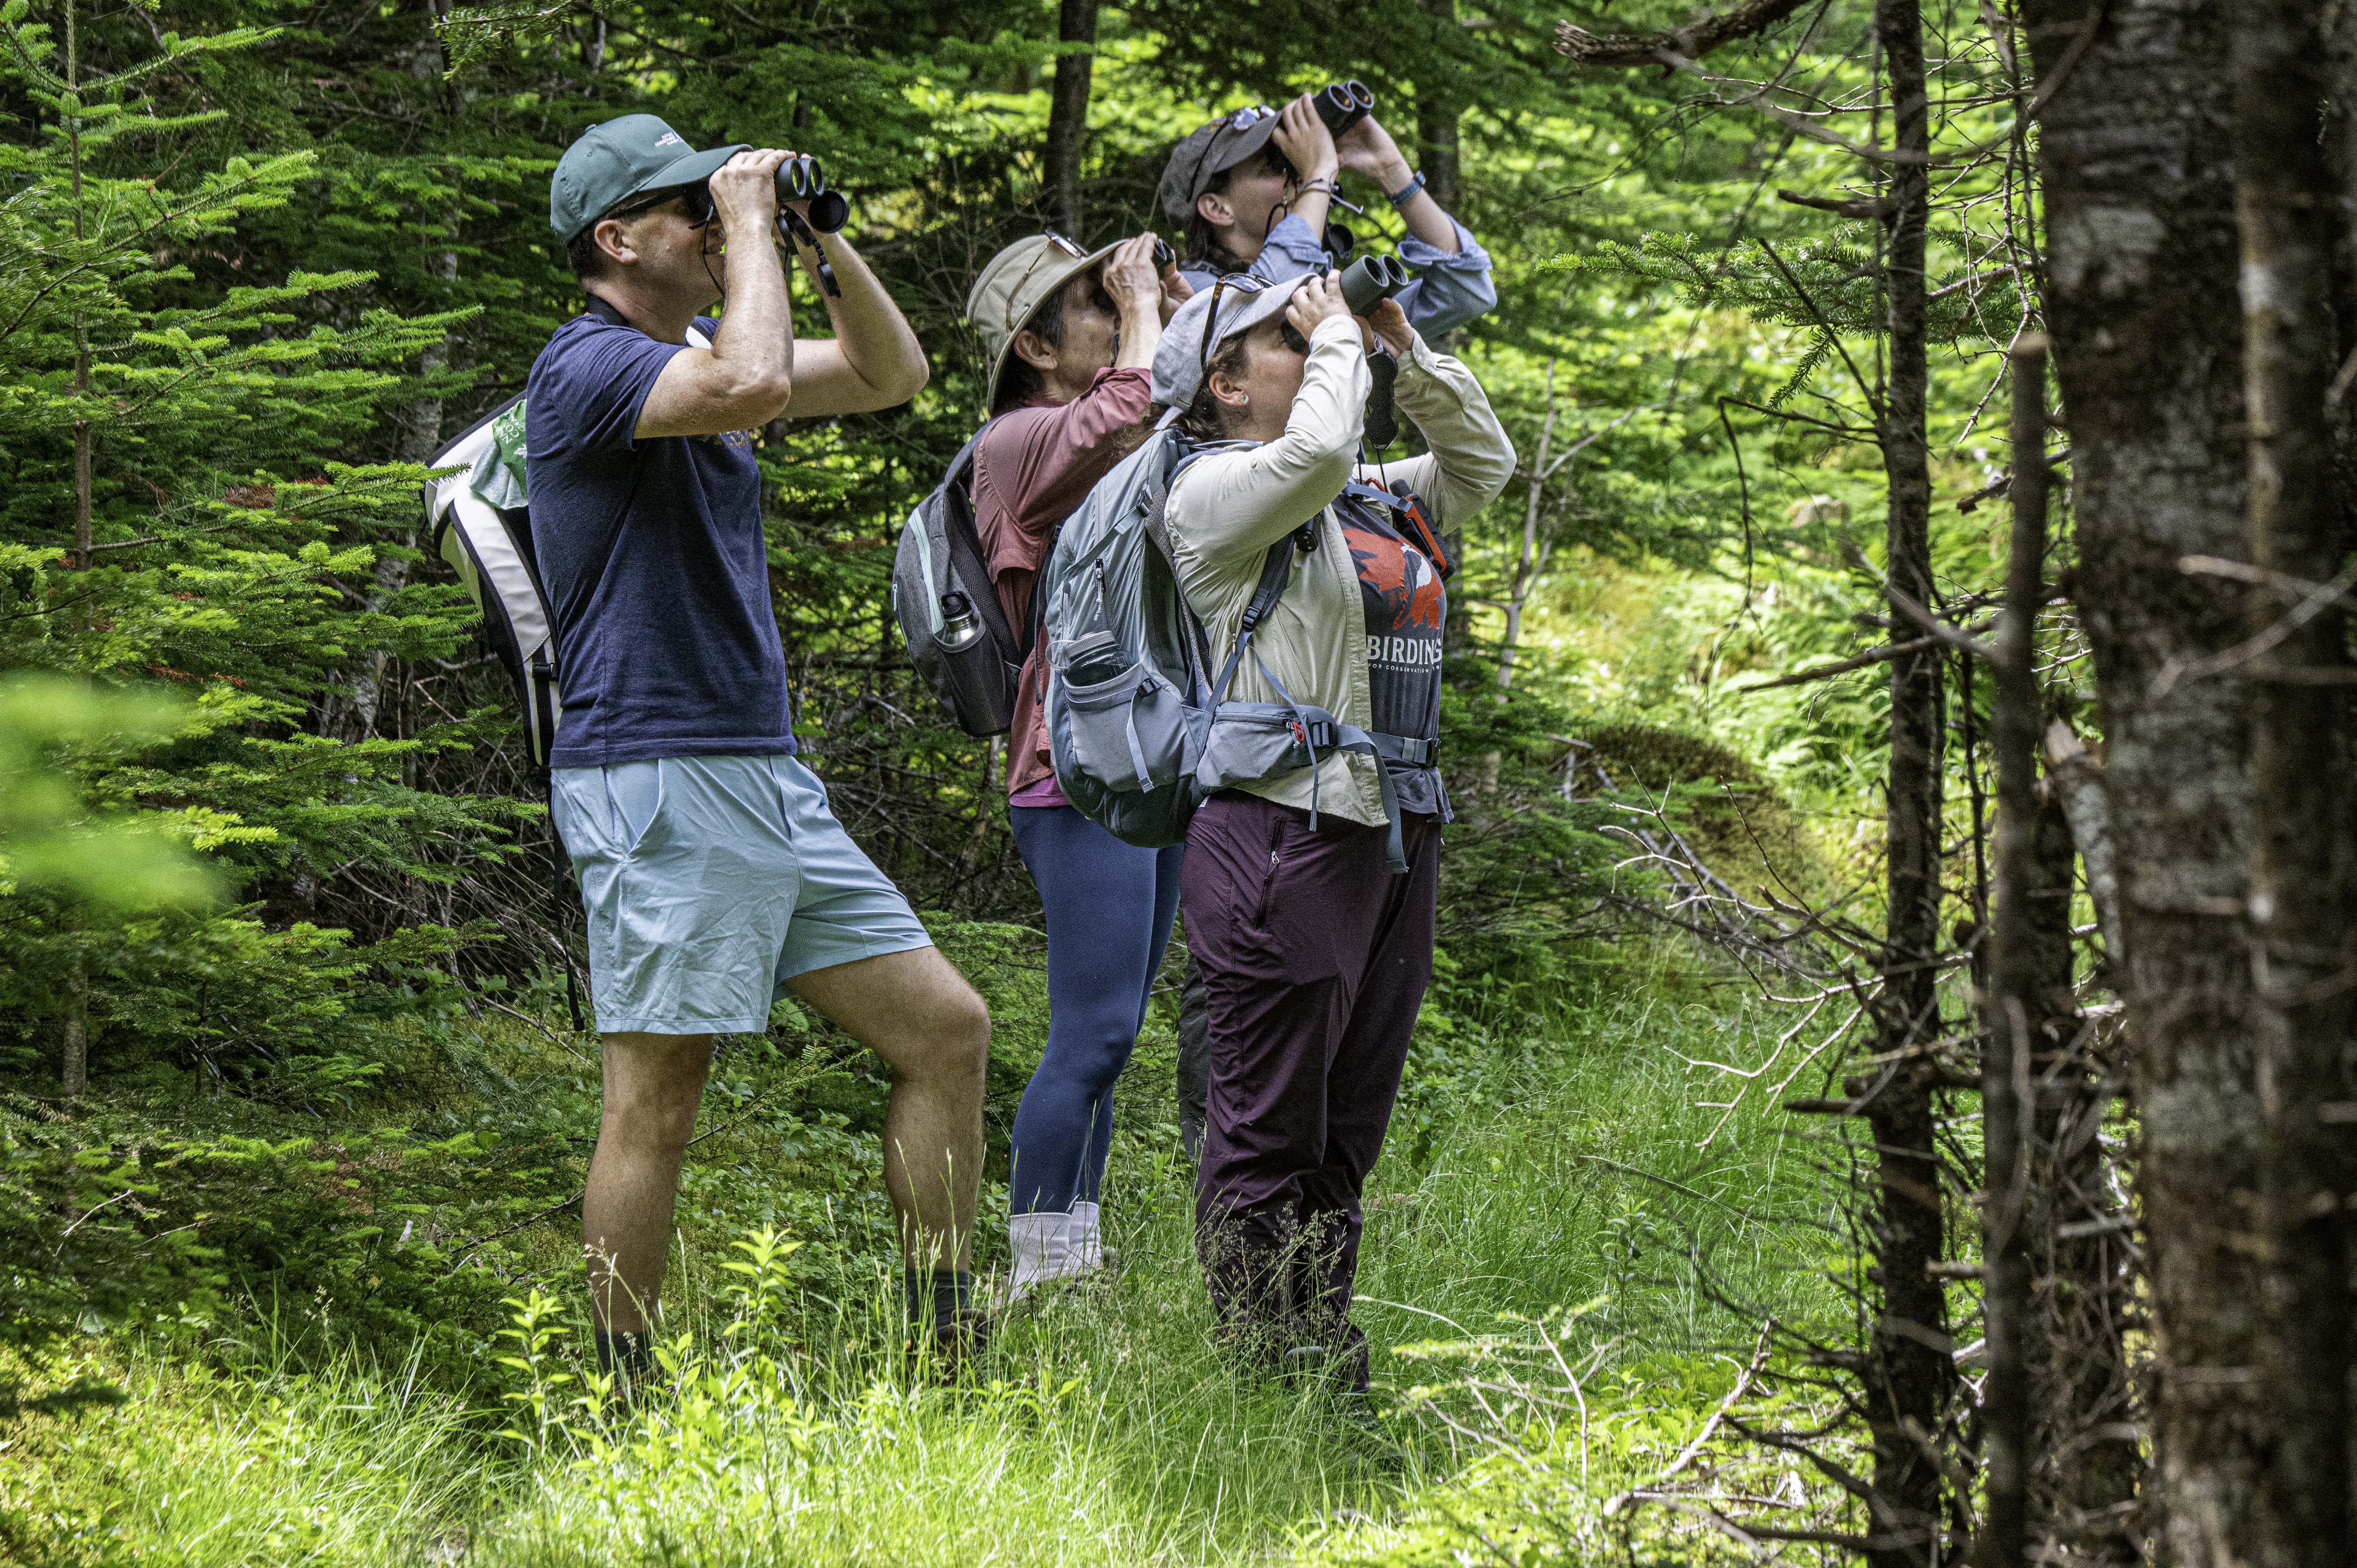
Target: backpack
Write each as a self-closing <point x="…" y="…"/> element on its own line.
<point x="478" y="524"/>
<point x="940" y="580"/>
<point x="1139" y="729"/>
<point x="477" y="518"/>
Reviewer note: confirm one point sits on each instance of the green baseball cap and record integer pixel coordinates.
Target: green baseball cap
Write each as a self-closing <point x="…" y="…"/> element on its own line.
<point x="619" y="159"/>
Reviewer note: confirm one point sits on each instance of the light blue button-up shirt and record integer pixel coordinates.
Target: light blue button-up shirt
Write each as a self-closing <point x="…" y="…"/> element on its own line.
<point x="1448" y="290"/>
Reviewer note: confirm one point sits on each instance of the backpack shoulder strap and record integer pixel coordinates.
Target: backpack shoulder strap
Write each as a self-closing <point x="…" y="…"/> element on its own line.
<point x="1176" y="455"/>
<point x="1276" y="574"/>
<point x="961" y="468"/>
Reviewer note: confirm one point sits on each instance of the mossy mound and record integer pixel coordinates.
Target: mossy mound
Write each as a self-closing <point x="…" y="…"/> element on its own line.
<point x="1718" y="802"/>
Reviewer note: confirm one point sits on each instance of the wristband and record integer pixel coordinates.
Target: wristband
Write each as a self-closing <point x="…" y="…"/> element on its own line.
<point x="1406" y="193"/>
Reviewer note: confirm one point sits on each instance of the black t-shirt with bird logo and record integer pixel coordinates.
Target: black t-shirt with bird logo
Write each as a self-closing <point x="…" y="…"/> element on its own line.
<point x="1406" y="606"/>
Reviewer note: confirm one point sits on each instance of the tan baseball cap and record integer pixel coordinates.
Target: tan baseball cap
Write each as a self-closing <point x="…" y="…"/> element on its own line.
<point x="1015" y="283"/>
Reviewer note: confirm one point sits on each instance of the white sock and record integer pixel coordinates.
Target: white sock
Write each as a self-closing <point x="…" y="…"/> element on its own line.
<point x="1087" y="1245"/>
<point x="1042" y="1244"/>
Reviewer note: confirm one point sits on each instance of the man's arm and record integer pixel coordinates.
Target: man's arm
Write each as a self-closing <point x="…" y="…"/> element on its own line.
<point x="747" y="376"/>
<point x="873" y="361"/>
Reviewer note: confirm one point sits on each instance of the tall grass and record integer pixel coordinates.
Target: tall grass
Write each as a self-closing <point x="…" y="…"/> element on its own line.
<point x="1105" y="1427"/>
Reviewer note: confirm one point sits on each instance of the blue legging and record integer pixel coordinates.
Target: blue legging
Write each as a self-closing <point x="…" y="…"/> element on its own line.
<point x="1109" y="906"/>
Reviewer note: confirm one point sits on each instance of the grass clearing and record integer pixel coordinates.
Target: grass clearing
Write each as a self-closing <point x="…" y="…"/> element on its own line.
<point x="1571" y="1186"/>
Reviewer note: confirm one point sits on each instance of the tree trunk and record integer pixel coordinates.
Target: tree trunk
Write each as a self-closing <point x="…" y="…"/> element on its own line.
<point x="2082" y="1394"/>
<point x="1068" y="112"/>
<point x="2301" y="860"/>
<point x="73" y="1072"/>
<point x="84" y="557"/>
<point x="1534" y="551"/>
<point x="1438" y="111"/>
<point x="2017" y="1005"/>
<point x="2142" y="304"/>
<point x="2339" y="25"/>
<point x="1909" y="1373"/>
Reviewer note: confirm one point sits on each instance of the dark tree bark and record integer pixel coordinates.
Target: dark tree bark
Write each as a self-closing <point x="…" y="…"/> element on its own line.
<point x="1068" y="111"/>
<point x="2085" y="1464"/>
<point x="2017" y="1002"/>
<point x="1438" y="111"/>
<point x="1907" y="1373"/>
<point x="2339" y="25"/>
<point x="2302" y="860"/>
<point x="2143" y="310"/>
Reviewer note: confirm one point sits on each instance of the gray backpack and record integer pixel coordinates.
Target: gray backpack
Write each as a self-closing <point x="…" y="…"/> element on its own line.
<point x="1139" y="727"/>
<point x="958" y="638"/>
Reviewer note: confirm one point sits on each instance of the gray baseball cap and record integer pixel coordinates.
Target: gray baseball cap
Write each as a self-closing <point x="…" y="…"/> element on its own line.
<point x="1222" y="144"/>
<point x="621" y="158"/>
<point x="1228" y="308"/>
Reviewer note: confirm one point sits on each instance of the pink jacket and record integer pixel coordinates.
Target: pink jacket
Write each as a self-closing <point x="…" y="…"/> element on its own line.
<point x="1034" y="465"/>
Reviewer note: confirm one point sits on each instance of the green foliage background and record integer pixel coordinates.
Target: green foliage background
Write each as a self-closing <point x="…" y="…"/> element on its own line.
<point x="265" y="827"/>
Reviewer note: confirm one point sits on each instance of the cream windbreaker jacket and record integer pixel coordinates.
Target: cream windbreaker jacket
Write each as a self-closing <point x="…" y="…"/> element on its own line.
<point x="1230" y="505"/>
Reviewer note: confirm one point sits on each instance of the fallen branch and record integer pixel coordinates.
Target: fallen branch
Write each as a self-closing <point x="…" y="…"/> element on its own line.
<point x="1693" y="40"/>
<point x="1844" y="666"/>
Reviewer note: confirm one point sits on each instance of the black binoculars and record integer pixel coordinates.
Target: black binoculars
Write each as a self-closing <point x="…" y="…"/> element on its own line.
<point x="803" y="180"/>
<point x="1370" y="280"/>
<point x="1163" y="255"/>
<point x="1343" y="105"/>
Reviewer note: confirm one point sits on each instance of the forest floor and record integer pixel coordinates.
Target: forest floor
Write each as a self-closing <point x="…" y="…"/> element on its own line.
<point x="1568" y="1258"/>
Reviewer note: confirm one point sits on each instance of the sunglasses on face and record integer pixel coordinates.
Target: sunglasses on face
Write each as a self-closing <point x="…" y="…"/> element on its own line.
<point x="695" y="200"/>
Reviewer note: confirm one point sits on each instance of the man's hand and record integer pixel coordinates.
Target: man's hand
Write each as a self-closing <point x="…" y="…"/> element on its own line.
<point x="1367" y="148"/>
<point x="745" y="190"/>
<point x="1129" y="277"/>
<point x="1320" y="299"/>
<point x="1305" y="141"/>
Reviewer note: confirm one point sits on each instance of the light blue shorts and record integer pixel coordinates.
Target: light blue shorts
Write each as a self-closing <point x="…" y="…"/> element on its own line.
<point x="711" y="881"/>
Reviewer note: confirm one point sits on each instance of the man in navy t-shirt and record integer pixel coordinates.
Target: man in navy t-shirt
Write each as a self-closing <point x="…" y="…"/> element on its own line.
<point x="715" y="875"/>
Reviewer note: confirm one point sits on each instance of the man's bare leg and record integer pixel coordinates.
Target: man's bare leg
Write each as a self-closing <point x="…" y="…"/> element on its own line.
<point x="653" y="1084"/>
<point x="918" y="1014"/>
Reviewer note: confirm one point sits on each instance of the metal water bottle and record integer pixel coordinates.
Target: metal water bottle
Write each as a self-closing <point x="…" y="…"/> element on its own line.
<point x="982" y="686"/>
<point x="959" y="625"/>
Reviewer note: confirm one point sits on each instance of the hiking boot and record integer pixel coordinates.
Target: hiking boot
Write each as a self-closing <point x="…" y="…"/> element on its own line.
<point x="949" y="1353"/>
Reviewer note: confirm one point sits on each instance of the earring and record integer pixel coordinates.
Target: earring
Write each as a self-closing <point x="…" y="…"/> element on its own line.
<point x="1243" y="400"/>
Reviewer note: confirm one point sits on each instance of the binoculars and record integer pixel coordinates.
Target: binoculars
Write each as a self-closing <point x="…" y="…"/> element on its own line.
<point x="1163" y="255"/>
<point x="802" y="179"/>
<point x="1371" y="279"/>
<point x="1342" y="104"/>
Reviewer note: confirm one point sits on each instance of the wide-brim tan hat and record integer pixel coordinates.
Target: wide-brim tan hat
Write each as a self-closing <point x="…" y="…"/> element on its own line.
<point x="1015" y="283"/>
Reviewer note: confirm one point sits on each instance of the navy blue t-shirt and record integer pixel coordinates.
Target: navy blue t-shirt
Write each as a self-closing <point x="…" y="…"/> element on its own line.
<point x="652" y="557"/>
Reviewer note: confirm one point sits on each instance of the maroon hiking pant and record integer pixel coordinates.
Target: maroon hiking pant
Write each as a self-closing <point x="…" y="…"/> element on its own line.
<point x="1315" y="959"/>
